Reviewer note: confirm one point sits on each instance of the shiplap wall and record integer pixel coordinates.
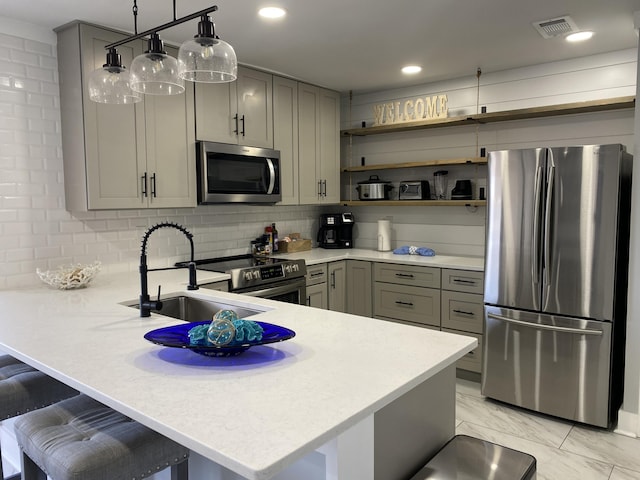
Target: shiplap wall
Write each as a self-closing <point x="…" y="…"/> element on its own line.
<point x="460" y="230"/>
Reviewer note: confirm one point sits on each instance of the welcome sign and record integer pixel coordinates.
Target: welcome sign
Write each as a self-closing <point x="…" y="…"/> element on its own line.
<point x="421" y="108"/>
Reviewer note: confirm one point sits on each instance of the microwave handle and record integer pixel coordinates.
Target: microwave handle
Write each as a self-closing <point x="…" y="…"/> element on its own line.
<point x="272" y="176"/>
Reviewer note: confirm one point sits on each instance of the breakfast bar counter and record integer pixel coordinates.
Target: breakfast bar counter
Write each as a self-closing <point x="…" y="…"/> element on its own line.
<point x="348" y="397"/>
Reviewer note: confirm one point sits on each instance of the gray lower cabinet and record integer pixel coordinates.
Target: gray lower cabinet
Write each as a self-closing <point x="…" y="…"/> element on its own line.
<point x="407" y="293"/>
<point x="337" y="285"/>
<point x="359" y="288"/>
<point x="317" y="286"/>
<point x="462" y="311"/>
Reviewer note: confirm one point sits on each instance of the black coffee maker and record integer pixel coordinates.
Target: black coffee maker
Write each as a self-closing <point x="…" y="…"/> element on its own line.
<point x="336" y="230"/>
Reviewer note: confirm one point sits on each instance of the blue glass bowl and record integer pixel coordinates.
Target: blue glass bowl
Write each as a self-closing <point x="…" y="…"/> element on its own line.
<point x="178" y="336"/>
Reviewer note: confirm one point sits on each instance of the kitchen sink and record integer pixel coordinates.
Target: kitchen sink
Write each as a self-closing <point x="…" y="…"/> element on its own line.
<point x="191" y="309"/>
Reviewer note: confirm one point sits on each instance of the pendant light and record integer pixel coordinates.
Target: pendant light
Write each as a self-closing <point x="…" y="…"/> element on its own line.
<point x="155" y="72"/>
<point x="110" y="84"/>
<point x="206" y="58"/>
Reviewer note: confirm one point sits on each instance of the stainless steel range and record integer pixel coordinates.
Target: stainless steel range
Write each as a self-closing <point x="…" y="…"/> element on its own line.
<point x="265" y="277"/>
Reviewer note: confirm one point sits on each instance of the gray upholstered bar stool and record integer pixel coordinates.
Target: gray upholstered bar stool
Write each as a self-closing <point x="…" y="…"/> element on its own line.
<point x="23" y="389"/>
<point x="82" y="439"/>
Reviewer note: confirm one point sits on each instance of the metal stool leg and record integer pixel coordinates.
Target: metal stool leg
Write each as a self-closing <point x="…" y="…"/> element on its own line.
<point x="31" y="471"/>
<point x="180" y="471"/>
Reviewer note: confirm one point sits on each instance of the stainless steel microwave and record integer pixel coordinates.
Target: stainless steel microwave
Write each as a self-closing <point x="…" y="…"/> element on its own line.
<point x="237" y="174"/>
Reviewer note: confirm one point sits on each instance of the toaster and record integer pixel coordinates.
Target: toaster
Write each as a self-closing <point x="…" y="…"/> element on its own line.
<point x="414" y="190"/>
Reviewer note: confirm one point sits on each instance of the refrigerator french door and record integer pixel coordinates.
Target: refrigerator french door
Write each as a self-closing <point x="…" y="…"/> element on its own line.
<point x="555" y="279"/>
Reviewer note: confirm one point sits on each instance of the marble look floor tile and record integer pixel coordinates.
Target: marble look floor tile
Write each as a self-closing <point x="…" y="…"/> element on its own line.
<point x="552" y="463"/>
<point x="624" y="474"/>
<point x="512" y="420"/>
<point x="603" y="445"/>
<point x="468" y="387"/>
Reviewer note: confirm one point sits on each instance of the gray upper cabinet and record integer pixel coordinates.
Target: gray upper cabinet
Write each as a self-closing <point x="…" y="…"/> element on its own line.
<point x="319" y="145"/>
<point x="120" y="156"/>
<point x="285" y="136"/>
<point x="238" y="112"/>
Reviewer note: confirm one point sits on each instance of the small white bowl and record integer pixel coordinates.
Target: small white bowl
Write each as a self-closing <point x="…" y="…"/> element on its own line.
<point x="68" y="277"/>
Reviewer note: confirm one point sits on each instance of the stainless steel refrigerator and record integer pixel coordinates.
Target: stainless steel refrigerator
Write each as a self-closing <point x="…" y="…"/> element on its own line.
<point x="556" y="280"/>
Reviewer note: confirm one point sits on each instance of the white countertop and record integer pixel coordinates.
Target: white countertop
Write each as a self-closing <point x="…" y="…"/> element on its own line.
<point x="255" y="413"/>
<point x="321" y="255"/>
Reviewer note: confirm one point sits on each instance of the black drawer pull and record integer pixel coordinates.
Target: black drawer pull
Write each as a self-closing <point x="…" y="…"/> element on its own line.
<point x="404" y="304"/>
<point x="316" y="274"/>
<point x="462" y="312"/>
<point x="462" y="280"/>
<point x="404" y="275"/>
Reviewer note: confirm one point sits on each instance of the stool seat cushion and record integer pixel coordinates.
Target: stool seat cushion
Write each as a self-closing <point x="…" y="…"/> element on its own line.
<point x="23" y="388"/>
<point x="81" y="439"/>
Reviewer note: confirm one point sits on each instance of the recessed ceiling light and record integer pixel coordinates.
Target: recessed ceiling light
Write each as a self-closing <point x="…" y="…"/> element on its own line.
<point x="579" y="36"/>
<point x="411" y="69"/>
<point x="272" y="12"/>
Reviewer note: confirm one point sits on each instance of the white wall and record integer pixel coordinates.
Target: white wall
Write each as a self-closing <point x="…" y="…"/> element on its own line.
<point x="35" y="229"/>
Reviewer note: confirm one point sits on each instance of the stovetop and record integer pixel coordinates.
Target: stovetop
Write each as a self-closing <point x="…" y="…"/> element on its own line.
<point x="251" y="271"/>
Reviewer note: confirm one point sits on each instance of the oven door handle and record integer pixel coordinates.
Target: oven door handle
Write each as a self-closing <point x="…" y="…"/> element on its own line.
<point x="272" y="291"/>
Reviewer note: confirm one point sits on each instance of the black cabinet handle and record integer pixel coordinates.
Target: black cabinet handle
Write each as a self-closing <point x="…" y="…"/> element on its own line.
<point x="153" y="185"/>
<point x="242" y="119"/>
<point x="315" y="274"/>
<point x="235" y="117"/>
<point x="462" y="312"/>
<point x="462" y="280"/>
<point x="143" y="180"/>
<point x="404" y="304"/>
<point x="404" y="275"/>
<point x="333" y="279"/>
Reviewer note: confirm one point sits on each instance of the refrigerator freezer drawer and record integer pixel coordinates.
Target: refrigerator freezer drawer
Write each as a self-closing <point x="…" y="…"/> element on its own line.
<point x="555" y="365"/>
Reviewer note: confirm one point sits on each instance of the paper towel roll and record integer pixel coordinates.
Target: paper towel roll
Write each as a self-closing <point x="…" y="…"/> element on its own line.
<point x="384" y="235"/>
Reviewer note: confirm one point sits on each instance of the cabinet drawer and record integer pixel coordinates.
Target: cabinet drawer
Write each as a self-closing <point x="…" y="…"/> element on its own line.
<point x="462" y="311"/>
<point x="316" y="274"/>
<point x="407" y="275"/>
<point x="472" y="361"/>
<point x="413" y="304"/>
<point x="404" y="322"/>
<point x="462" y="281"/>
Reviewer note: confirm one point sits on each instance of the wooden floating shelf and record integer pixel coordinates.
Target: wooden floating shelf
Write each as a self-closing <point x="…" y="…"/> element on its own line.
<point x="617" y="103"/>
<point x="426" y="163"/>
<point x="415" y="203"/>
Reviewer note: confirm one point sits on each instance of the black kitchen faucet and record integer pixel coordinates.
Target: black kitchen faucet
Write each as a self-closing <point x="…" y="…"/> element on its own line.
<point x="146" y="304"/>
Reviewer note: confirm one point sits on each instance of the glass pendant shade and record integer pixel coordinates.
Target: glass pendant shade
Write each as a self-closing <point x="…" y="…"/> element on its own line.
<point x="155" y="72"/>
<point x="110" y="84"/>
<point x="206" y="58"/>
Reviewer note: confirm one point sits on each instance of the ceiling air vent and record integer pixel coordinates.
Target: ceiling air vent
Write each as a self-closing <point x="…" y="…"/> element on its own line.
<point x="556" y="26"/>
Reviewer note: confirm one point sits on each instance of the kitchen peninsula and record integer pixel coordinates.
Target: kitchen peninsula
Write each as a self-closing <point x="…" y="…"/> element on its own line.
<point x="345" y="396"/>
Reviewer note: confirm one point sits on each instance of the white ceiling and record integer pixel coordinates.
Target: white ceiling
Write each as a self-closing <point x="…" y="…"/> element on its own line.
<point x="360" y="45"/>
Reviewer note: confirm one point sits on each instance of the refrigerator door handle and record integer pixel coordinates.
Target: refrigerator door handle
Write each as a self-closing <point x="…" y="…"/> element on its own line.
<point x="540" y="326"/>
<point x="547" y="223"/>
<point x="535" y="266"/>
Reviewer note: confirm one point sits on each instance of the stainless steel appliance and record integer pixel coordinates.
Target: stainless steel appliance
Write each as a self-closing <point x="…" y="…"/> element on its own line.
<point x="556" y="280"/>
<point x="336" y="230"/>
<point x="235" y="173"/>
<point x="414" y="190"/>
<point x="374" y="189"/>
<point x="264" y="277"/>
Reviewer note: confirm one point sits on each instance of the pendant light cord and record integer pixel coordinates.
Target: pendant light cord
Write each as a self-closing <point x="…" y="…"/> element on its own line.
<point x="135" y="16"/>
<point x="174" y="11"/>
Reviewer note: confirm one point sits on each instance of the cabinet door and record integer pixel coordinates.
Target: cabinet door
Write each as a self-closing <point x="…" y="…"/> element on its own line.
<point x="308" y="144"/>
<point x="285" y="136"/>
<point x="329" y="120"/>
<point x="171" y="148"/>
<point x="317" y="296"/>
<point x="216" y="108"/>
<point x="255" y="108"/>
<point x="358" y="293"/>
<point x="337" y="286"/>
<point x="114" y="153"/>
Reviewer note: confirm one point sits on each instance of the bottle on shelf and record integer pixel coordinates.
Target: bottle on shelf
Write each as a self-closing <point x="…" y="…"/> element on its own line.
<point x="274" y="238"/>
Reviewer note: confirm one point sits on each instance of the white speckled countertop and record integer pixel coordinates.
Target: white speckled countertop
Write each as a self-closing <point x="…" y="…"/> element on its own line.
<point x="254" y="414"/>
<point x="321" y="255"/>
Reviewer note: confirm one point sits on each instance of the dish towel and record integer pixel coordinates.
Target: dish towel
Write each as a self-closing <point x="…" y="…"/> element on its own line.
<point x="411" y="250"/>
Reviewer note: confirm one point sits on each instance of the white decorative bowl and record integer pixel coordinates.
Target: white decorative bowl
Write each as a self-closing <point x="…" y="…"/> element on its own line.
<point x="68" y="277"/>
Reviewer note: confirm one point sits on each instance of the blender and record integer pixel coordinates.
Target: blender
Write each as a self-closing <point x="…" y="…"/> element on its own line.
<point x="440" y="184"/>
